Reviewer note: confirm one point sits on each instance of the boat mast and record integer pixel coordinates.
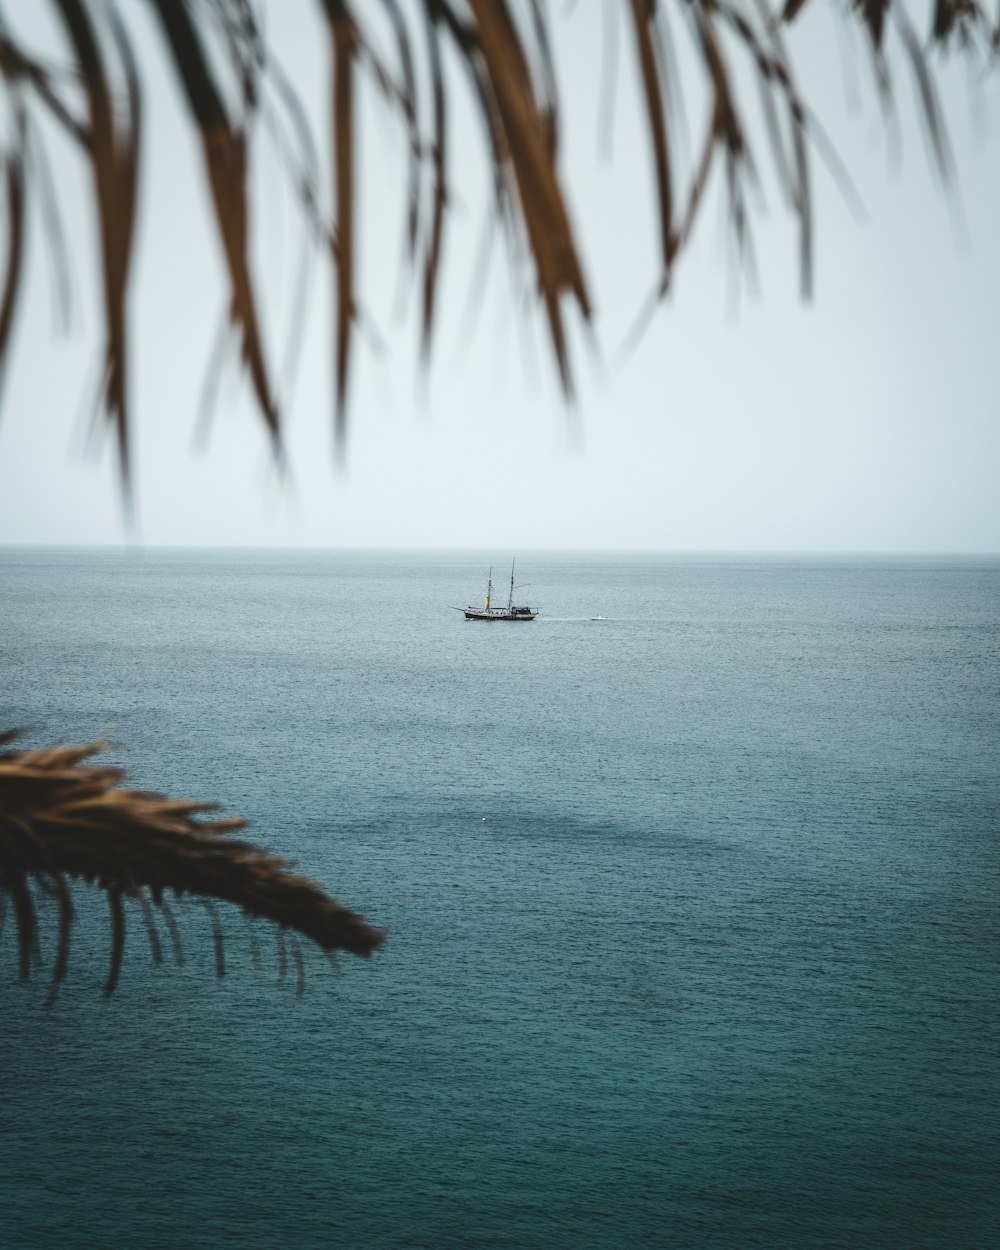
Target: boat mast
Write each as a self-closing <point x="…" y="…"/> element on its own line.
<point x="489" y="587"/>
<point x="510" y="597"/>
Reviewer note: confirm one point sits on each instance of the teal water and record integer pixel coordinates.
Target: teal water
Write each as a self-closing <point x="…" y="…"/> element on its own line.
<point x="717" y="971"/>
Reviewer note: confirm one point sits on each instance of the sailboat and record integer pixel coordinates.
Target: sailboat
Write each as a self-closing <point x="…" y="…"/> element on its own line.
<point x="489" y="613"/>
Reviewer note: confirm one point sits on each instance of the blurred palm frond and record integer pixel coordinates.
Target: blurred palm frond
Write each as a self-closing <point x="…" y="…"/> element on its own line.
<point x="225" y="69"/>
<point x="62" y="818"/>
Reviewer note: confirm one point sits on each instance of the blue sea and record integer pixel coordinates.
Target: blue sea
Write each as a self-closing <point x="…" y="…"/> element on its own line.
<point x="692" y="911"/>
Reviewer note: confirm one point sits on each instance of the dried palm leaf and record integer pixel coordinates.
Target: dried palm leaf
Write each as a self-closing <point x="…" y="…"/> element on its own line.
<point x="344" y="43"/>
<point x="508" y="53"/>
<point x="408" y="103"/>
<point x="63" y="818"/>
<point x="113" y="153"/>
<point x="439" y="152"/>
<point x="539" y="191"/>
<point x="225" y="156"/>
<point x="644" y="25"/>
<point x="14" y="171"/>
<point x="16" y="66"/>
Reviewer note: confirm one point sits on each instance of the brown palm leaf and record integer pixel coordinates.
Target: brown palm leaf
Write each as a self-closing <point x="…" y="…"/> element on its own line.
<point x="62" y="818"/>
<point x="508" y="53"/>
<point x="344" y="49"/>
<point x="14" y="171"/>
<point x="114" y="157"/>
<point x="224" y="149"/>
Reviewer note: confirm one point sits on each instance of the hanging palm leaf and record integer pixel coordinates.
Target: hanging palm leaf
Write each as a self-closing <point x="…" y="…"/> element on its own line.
<point x="507" y="51"/>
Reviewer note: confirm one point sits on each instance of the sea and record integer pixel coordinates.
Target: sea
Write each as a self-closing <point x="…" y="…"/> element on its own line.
<point x="692" y="908"/>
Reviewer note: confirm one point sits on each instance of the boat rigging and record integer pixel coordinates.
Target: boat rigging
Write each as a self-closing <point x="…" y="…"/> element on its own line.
<point x="512" y="612"/>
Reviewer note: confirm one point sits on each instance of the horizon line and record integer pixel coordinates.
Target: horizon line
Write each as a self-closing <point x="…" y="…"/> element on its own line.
<point x="127" y="547"/>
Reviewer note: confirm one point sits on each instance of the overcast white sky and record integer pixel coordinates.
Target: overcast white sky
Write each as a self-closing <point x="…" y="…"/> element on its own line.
<point x="866" y="420"/>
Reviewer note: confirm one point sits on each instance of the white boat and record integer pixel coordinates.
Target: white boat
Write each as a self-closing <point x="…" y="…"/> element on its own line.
<point x="512" y="612"/>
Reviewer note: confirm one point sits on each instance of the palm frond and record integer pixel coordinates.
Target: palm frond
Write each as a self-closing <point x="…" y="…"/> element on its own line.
<point x="439" y="154"/>
<point x="14" y="179"/>
<point x="507" y="51"/>
<point x="225" y="157"/>
<point x="344" y="41"/>
<point x="63" y="818"/>
<point x="644" y="26"/>
<point x="113" y="153"/>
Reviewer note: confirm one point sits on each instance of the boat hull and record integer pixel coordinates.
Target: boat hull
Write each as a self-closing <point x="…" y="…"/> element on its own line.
<point x="499" y="614"/>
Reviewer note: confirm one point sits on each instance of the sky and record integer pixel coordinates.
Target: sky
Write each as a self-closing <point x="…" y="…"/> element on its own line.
<point x="865" y="419"/>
